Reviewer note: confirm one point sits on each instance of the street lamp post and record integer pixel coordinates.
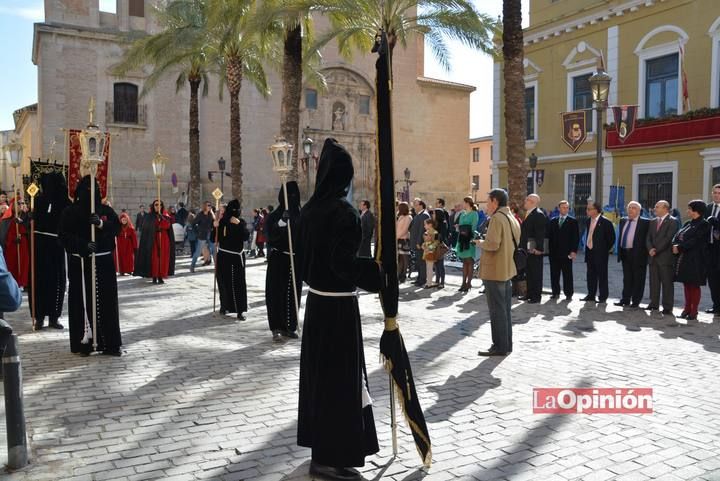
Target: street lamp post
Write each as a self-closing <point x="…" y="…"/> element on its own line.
<point x="600" y="87"/>
<point x="222" y="164"/>
<point x="533" y="160"/>
<point x="14" y="151"/>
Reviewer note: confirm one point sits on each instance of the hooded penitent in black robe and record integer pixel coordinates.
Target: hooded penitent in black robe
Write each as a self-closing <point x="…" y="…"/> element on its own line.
<point x="49" y="259"/>
<point x="231" y="261"/>
<point x="148" y="233"/>
<point x="74" y="232"/>
<point x="335" y="418"/>
<point x="279" y="300"/>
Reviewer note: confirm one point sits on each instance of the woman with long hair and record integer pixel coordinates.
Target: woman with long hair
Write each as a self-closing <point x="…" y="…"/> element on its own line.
<point x="402" y="234"/>
<point x="465" y="248"/>
<point x="156" y="254"/>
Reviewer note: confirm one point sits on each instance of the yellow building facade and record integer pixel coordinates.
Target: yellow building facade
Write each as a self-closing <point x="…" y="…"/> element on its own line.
<point x="480" y="168"/>
<point x="674" y="151"/>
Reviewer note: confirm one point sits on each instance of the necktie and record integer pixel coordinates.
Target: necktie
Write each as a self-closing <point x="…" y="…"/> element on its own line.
<point x="712" y="229"/>
<point x="626" y="240"/>
<point x="593" y="223"/>
<point x="659" y="223"/>
<point x="562" y="219"/>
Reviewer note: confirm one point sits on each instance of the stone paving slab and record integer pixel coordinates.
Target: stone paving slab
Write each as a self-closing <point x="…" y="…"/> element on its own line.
<point x="198" y="396"/>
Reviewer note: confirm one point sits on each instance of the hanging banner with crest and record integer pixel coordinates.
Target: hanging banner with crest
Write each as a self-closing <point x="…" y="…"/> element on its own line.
<point x="75" y="171"/>
<point x="625" y="120"/>
<point x="574" y="132"/>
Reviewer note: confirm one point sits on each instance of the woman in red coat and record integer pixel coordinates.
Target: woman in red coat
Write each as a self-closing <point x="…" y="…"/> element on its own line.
<point x="127" y="243"/>
<point x="11" y="237"/>
<point x="156" y="254"/>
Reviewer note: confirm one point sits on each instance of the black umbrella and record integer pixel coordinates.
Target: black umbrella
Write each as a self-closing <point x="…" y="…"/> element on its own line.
<point x="392" y="347"/>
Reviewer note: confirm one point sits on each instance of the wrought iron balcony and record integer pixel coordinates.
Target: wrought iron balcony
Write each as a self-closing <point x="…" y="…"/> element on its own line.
<point x="126" y="115"/>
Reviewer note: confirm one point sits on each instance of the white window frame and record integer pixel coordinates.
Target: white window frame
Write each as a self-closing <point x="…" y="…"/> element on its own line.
<point x="645" y="54"/>
<point x="655" y="168"/>
<point x="571" y="93"/>
<point x="569" y="172"/>
<point x="714" y="33"/>
<point x="531" y="143"/>
<point x="711" y="159"/>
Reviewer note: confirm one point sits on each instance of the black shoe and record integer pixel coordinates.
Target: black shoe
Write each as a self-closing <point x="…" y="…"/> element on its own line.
<point x="691" y="318"/>
<point x="222" y="312"/>
<point x="277" y="337"/>
<point x="588" y="299"/>
<point x="533" y="301"/>
<point x="240" y="317"/>
<point x="38" y="327"/>
<point x="522" y="298"/>
<point x="621" y="303"/>
<point x="683" y="315"/>
<point x="154" y="280"/>
<point x="555" y="296"/>
<point x="713" y="310"/>
<point x="84" y="353"/>
<point x="290" y="335"/>
<point x="650" y="307"/>
<point x="331" y="473"/>
<point x="635" y="306"/>
<point x="116" y="353"/>
<point x="602" y="301"/>
<point x="492" y="352"/>
<point x="667" y="311"/>
<point x="568" y="298"/>
<point x="54" y="325"/>
<point x="160" y="281"/>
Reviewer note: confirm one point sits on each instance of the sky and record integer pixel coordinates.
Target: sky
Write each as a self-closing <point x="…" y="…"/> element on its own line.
<point x="19" y="82"/>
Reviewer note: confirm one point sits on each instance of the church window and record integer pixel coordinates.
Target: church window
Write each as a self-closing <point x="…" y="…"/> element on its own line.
<point x="311" y="99"/>
<point x="364" y="105"/>
<point x="136" y="8"/>
<point x="125" y="103"/>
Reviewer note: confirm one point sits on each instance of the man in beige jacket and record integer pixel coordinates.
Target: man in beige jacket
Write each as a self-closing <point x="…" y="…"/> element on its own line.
<point x="497" y="267"/>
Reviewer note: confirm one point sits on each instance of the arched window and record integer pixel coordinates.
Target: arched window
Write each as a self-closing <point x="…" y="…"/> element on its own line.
<point x="125" y="103"/>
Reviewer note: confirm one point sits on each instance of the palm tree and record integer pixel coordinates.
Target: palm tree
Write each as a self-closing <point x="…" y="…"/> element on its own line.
<point x="240" y="50"/>
<point x="513" y="72"/>
<point x="176" y="50"/>
<point x="354" y="24"/>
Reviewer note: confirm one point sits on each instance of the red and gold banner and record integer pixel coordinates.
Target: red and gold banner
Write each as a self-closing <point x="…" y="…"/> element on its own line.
<point x="574" y="130"/>
<point x="75" y="161"/>
<point x="625" y="119"/>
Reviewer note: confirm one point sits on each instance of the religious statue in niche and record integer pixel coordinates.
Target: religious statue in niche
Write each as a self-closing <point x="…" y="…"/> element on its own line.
<point x="338" y="116"/>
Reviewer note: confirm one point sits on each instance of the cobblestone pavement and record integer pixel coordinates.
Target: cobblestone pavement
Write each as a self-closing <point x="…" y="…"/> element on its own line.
<point x="198" y="396"/>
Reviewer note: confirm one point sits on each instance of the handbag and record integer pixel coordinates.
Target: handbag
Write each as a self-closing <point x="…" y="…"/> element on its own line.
<point x="519" y="255"/>
<point x="441" y="250"/>
<point x="404" y="245"/>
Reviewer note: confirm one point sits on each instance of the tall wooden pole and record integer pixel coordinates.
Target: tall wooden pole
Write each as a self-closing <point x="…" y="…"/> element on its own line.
<point x="32" y="259"/>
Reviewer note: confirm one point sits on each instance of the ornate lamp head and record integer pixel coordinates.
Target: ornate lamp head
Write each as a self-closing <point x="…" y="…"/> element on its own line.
<point x="158" y="164"/>
<point x="92" y="143"/>
<point x="282" y="156"/>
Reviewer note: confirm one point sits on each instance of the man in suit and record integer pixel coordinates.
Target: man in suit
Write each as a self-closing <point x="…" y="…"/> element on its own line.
<point x="532" y="238"/>
<point x="600" y="241"/>
<point x="367" y="225"/>
<point x="661" y="231"/>
<point x="713" y="217"/>
<point x="417" y="228"/>
<point x="563" y="240"/>
<point x="632" y="252"/>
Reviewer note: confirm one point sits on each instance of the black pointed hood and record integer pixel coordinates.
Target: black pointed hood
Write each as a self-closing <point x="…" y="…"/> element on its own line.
<point x="293" y="193"/>
<point x="335" y="172"/>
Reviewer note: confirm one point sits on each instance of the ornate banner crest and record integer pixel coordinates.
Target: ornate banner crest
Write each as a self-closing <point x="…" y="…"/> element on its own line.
<point x="38" y="168"/>
<point x="75" y="171"/>
<point x="625" y="119"/>
<point x="574" y="132"/>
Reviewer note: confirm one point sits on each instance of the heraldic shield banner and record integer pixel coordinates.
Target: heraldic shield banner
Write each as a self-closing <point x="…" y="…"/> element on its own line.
<point x="625" y="119"/>
<point x="574" y="132"/>
<point x="75" y="171"/>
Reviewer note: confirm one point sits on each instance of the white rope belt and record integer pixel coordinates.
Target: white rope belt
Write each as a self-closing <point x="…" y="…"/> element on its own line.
<point x="46" y="233"/>
<point x="97" y="254"/>
<point x="231" y="252"/>
<point x="332" y="294"/>
<point x="287" y="253"/>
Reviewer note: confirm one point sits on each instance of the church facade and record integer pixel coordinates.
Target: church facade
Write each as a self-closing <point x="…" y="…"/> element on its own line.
<point x="77" y="46"/>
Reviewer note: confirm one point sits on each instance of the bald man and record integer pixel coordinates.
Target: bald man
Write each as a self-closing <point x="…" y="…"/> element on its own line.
<point x="633" y="253"/>
<point x="532" y="238"/>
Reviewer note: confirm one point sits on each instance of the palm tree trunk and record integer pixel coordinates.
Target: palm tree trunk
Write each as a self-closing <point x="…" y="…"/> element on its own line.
<point x="292" y="92"/>
<point x="513" y="72"/>
<point x="194" y="137"/>
<point x="234" y="79"/>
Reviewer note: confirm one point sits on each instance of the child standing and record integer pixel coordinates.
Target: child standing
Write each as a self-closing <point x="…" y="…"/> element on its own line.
<point x="430" y="245"/>
<point x="127" y="243"/>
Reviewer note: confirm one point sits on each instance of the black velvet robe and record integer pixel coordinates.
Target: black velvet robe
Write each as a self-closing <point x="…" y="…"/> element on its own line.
<point x="232" y="286"/>
<point x="74" y="233"/>
<point x="331" y="418"/>
<point x="49" y="272"/>
<point x="278" y="281"/>
<point x="143" y="259"/>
